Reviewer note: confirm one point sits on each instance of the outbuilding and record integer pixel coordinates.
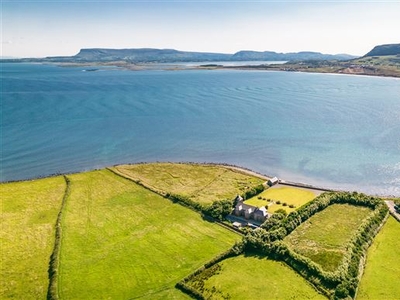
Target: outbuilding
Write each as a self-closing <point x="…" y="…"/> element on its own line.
<point x="273" y="181"/>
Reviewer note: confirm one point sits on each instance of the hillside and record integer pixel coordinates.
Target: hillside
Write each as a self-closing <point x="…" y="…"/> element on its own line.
<point x="384" y="50"/>
<point x="171" y="55"/>
<point x="150" y="55"/>
<point x="273" y="56"/>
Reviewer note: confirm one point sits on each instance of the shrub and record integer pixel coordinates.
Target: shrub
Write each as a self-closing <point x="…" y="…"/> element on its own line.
<point x="219" y="209"/>
<point x="284" y="204"/>
<point x="278" y="202"/>
<point x="281" y="211"/>
<point x="253" y="191"/>
<point x="292" y="206"/>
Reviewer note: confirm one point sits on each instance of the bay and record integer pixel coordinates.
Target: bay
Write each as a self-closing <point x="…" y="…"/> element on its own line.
<point x="336" y="131"/>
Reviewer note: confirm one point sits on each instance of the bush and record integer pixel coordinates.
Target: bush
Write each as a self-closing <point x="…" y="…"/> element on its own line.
<point x="278" y="202"/>
<point x="284" y="204"/>
<point x="253" y="191"/>
<point x="219" y="209"/>
<point x="281" y="211"/>
<point x="292" y="206"/>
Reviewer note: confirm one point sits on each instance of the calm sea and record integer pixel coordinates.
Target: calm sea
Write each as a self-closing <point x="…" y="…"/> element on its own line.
<point x="333" y="131"/>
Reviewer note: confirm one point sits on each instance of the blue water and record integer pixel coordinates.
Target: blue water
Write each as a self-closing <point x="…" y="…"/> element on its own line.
<point x="328" y="130"/>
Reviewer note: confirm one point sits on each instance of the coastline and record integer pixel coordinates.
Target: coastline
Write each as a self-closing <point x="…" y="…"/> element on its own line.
<point x="235" y="168"/>
<point x="300" y="67"/>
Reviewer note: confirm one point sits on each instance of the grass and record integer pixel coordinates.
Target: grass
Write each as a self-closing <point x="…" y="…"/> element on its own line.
<point x="324" y="236"/>
<point x="28" y="214"/>
<point x="288" y="195"/>
<point x="202" y="183"/>
<point x="254" y="277"/>
<point x="381" y="275"/>
<point x="122" y="241"/>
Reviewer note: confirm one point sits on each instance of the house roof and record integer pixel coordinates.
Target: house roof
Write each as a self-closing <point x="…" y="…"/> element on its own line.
<point x="243" y="206"/>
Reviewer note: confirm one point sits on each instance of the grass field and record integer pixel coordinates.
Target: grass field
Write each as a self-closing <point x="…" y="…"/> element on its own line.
<point x="202" y="183"/>
<point x="28" y="214"/>
<point x="253" y="277"/>
<point x="381" y="279"/>
<point x="324" y="236"/>
<point x="290" y="195"/>
<point x="121" y="241"/>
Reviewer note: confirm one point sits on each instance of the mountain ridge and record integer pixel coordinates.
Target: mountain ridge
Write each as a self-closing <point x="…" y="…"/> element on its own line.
<point x="172" y="55"/>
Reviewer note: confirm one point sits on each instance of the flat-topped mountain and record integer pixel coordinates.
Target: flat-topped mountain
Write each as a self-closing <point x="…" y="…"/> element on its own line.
<point x="142" y="55"/>
<point x="384" y="50"/>
<point x="147" y="55"/>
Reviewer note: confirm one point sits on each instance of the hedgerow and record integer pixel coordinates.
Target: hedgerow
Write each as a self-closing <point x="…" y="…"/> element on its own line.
<point x="341" y="283"/>
<point x="52" y="290"/>
<point x="193" y="284"/>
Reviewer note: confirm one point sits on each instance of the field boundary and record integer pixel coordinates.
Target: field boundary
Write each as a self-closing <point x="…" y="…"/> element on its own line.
<point x="343" y="282"/>
<point x="183" y="285"/>
<point x="187" y="203"/>
<point x="54" y="263"/>
<point x="363" y="260"/>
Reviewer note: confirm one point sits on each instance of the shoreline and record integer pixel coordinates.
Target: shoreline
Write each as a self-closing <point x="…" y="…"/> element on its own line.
<point x="298" y="68"/>
<point x="232" y="167"/>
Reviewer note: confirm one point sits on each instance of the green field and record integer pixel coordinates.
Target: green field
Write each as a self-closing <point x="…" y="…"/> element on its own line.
<point x="381" y="279"/>
<point x="324" y="236"/>
<point x="28" y="214"/>
<point x="253" y="277"/>
<point x="123" y="241"/>
<point x="202" y="183"/>
<point x="288" y="195"/>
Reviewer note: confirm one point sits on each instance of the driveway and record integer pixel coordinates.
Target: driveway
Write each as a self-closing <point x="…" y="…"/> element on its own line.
<point x="394" y="213"/>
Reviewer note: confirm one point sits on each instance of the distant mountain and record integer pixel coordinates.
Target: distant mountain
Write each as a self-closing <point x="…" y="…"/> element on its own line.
<point x="293" y="56"/>
<point x="143" y="55"/>
<point x="147" y="55"/>
<point x="383" y="50"/>
<point x="171" y="55"/>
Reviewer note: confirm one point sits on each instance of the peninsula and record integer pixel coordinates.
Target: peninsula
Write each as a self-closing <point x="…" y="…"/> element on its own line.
<point x="382" y="60"/>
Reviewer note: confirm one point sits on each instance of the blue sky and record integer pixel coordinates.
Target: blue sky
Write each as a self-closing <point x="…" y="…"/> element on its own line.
<point x="50" y="28"/>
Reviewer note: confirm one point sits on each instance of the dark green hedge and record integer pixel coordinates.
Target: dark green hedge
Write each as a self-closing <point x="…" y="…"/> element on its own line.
<point x="343" y="282"/>
<point x="52" y="291"/>
<point x="208" y="270"/>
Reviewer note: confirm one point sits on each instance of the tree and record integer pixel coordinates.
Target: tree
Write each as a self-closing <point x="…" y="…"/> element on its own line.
<point x="281" y="211"/>
<point x="220" y="209"/>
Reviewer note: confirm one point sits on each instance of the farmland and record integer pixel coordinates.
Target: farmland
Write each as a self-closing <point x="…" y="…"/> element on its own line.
<point x="28" y="210"/>
<point x="256" y="277"/>
<point x="381" y="276"/>
<point x="202" y="183"/>
<point x="120" y="240"/>
<point x="123" y="241"/>
<point x="324" y="236"/>
<point x="289" y="195"/>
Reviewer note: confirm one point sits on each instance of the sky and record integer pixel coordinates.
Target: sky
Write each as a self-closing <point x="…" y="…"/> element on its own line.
<point x="32" y="28"/>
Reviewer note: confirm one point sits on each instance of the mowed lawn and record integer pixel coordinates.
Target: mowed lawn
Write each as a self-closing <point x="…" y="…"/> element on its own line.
<point x="202" y="183"/>
<point x="289" y="195"/>
<point x="28" y="215"/>
<point x="381" y="279"/>
<point x="122" y="241"/>
<point x="324" y="236"/>
<point x="255" y="277"/>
